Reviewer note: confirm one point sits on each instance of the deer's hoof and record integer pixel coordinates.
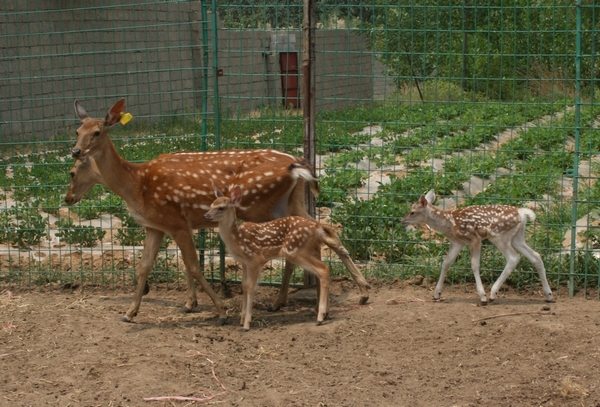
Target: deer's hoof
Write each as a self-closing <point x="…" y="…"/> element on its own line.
<point x="221" y="321"/>
<point x="483" y="303"/>
<point x="363" y="300"/>
<point x="274" y="307"/>
<point x="127" y="319"/>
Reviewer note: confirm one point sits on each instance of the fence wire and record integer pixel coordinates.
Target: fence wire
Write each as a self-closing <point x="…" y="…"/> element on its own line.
<point x="485" y="102"/>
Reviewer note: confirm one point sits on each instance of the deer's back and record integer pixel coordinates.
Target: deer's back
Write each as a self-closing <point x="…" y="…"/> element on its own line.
<point x="484" y="221"/>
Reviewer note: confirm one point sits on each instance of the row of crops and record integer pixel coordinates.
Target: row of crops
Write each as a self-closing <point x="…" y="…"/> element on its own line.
<point x="518" y="153"/>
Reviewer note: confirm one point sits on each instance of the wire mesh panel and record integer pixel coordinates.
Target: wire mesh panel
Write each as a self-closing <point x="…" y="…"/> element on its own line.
<point x="484" y="102"/>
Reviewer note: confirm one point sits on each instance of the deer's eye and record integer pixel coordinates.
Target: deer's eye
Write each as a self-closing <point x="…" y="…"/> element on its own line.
<point x="72" y="173"/>
<point x="96" y="133"/>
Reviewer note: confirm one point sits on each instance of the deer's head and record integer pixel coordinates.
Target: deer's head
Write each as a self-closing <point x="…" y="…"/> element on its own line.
<point x="420" y="209"/>
<point x="223" y="205"/>
<point x="93" y="132"/>
<point x="84" y="175"/>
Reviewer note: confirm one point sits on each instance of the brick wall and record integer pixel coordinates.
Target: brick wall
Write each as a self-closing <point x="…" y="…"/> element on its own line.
<point x="98" y="51"/>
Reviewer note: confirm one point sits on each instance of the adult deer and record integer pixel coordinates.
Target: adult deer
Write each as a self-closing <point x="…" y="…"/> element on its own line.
<point x="298" y="239"/>
<point x="503" y="225"/>
<point x="171" y="193"/>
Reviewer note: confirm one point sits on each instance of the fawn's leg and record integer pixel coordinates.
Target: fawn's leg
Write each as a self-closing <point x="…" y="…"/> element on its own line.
<point x="475" y="249"/>
<point x="183" y="238"/>
<point x="355" y="273"/>
<point x="449" y="260"/>
<point x="534" y="257"/>
<point x="321" y="270"/>
<point x="151" y="246"/>
<point x="244" y="291"/>
<point x="512" y="259"/>
<point x="283" y="290"/>
<point x="250" y="289"/>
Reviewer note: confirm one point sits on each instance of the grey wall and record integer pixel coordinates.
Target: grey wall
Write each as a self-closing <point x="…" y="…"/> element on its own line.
<point x="153" y="55"/>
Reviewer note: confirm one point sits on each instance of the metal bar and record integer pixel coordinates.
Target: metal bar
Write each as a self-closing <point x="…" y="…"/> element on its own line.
<point x="308" y="107"/>
<point x="576" y="154"/>
<point x="217" y="110"/>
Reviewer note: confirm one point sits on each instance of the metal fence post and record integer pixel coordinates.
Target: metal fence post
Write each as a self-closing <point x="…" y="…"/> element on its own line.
<point x="308" y="105"/>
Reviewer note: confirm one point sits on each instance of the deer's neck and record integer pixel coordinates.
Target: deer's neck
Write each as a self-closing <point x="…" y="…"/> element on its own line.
<point x="230" y="233"/>
<point x="118" y="174"/>
<point x="441" y="221"/>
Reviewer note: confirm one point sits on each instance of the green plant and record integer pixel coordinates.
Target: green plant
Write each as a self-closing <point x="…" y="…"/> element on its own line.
<point x="84" y="235"/>
<point x="130" y="234"/>
<point x="22" y="226"/>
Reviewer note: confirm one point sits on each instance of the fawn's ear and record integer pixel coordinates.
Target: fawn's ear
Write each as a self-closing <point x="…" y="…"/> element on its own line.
<point x="430" y="196"/>
<point x="235" y="194"/>
<point x="114" y="113"/>
<point x="423" y="201"/>
<point x="217" y="191"/>
<point x="80" y="111"/>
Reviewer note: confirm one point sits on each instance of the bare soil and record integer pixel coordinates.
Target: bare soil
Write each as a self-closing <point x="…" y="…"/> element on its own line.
<point x="69" y="348"/>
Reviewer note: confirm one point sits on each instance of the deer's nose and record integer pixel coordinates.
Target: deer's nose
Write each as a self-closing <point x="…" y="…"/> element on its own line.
<point x="76" y="152"/>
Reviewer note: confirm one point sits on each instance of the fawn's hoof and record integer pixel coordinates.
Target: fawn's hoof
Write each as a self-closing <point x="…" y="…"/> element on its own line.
<point x="274" y="307"/>
<point x="363" y="300"/>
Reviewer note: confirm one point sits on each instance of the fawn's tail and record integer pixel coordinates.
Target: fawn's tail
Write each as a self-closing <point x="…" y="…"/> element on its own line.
<point x="526" y="214"/>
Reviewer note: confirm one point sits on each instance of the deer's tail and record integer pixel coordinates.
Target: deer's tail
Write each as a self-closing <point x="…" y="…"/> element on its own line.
<point x="301" y="169"/>
<point x="526" y="214"/>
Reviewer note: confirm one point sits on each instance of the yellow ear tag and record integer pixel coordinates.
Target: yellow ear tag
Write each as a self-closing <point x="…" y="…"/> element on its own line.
<point x="125" y="118"/>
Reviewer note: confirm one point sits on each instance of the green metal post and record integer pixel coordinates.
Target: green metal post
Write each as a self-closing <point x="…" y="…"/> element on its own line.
<point x="577" y="148"/>
<point x="204" y="123"/>
<point x="217" y="110"/>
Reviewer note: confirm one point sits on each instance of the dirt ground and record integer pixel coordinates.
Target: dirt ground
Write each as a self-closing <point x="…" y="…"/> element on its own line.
<point x="69" y="348"/>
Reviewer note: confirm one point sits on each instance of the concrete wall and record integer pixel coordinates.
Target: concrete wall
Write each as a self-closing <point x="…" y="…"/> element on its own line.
<point x="152" y="55"/>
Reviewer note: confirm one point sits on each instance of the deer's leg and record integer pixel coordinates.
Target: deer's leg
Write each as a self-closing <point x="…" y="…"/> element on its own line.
<point x="285" y="285"/>
<point x="183" y="238"/>
<point x="475" y="249"/>
<point x="512" y="259"/>
<point x="250" y="290"/>
<point x="534" y="257"/>
<point x="151" y="247"/>
<point x="244" y="293"/>
<point x="356" y="275"/>
<point x="321" y="270"/>
<point x="449" y="260"/>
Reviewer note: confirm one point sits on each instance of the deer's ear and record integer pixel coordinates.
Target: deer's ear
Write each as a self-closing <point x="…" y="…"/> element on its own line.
<point x="217" y="191"/>
<point x="235" y="194"/>
<point x="80" y="111"/>
<point x="430" y="196"/>
<point x="114" y="113"/>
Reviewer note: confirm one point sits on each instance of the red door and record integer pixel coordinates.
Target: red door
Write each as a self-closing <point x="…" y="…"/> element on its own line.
<point x="288" y="64"/>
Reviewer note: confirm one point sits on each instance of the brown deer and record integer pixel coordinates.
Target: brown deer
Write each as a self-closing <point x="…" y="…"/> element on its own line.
<point x="298" y="239"/>
<point x="171" y="193"/>
<point x="503" y="225"/>
<point x="84" y="175"/>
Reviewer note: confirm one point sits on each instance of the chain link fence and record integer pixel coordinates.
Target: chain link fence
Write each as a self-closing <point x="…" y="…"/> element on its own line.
<point x="483" y="102"/>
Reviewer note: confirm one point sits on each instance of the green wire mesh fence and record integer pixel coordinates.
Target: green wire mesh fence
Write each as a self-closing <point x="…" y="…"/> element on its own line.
<point x="485" y="102"/>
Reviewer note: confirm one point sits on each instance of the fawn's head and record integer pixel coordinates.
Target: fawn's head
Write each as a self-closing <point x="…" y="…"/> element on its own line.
<point x="419" y="211"/>
<point x="84" y="175"/>
<point x="224" y="205"/>
<point x="93" y="132"/>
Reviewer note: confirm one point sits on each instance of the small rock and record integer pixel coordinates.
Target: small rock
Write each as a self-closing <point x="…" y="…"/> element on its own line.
<point x="391" y="302"/>
<point x="546" y="308"/>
